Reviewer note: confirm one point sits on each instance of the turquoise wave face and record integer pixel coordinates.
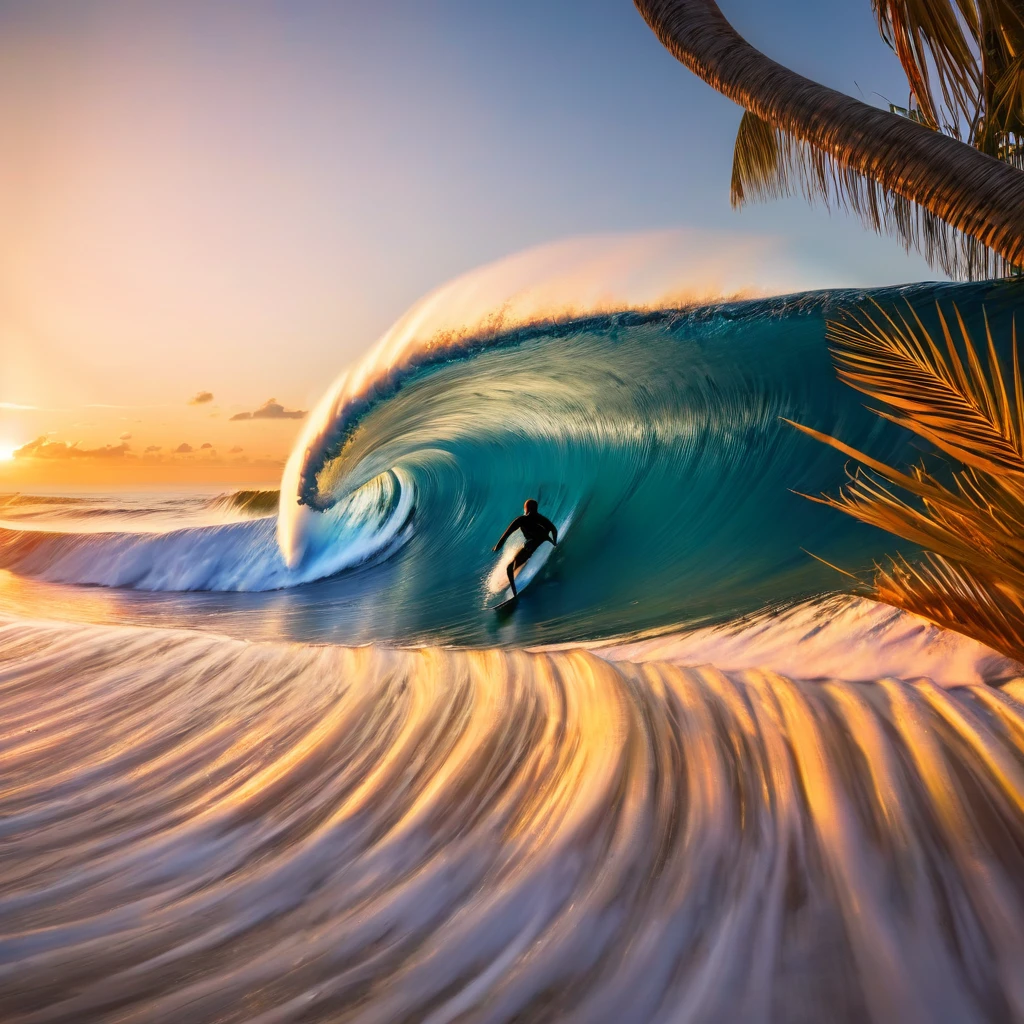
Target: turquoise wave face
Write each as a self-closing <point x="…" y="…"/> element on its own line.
<point x="660" y="436"/>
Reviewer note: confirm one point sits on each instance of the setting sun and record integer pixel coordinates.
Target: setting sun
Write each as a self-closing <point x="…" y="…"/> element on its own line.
<point x="7" y="451"/>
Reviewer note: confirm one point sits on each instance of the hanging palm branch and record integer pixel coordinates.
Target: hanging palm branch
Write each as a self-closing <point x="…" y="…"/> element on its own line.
<point x="967" y="189"/>
<point x="964" y="62"/>
<point x="970" y="520"/>
<point x="769" y="163"/>
<point x="944" y="35"/>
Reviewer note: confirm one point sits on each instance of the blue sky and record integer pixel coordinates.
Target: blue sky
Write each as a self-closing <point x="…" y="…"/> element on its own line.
<point x="243" y="194"/>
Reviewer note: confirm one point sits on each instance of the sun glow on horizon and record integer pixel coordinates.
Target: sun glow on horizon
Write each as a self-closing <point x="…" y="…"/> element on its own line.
<point x="7" y="451"/>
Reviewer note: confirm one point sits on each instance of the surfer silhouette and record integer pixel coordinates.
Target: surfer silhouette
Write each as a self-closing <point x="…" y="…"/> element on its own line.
<point x="535" y="529"/>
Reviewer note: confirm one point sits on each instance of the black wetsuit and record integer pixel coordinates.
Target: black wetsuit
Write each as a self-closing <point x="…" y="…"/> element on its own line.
<point x="535" y="528"/>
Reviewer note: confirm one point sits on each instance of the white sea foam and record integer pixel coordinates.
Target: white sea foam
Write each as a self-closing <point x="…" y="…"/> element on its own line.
<point x="842" y="637"/>
<point x="239" y="555"/>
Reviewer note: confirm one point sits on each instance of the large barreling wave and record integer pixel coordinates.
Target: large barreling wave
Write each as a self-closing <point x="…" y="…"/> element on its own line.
<point x="656" y="437"/>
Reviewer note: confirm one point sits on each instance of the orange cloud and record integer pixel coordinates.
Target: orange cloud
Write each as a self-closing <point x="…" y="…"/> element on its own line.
<point x="271" y="409"/>
<point x="201" y="398"/>
<point x="40" y="448"/>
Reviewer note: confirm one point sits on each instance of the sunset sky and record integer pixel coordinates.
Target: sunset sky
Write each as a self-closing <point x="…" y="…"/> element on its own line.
<point x="211" y="207"/>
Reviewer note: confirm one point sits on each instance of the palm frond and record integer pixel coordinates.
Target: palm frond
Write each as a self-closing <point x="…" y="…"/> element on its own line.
<point x="928" y="34"/>
<point x="954" y="596"/>
<point x="945" y="524"/>
<point x="758" y="166"/>
<point x="963" y="410"/>
<point x="960" y="59"/>
<point x="769" y="163"/>
<point x="1007" y="106"/>
<point x="970" y="521"/>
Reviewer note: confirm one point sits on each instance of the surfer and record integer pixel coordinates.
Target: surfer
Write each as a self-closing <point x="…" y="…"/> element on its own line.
<point x="535" y="529"/>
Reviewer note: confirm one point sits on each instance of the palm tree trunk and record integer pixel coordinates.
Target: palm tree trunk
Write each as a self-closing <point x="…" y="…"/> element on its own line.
<point x="970" y="191"/>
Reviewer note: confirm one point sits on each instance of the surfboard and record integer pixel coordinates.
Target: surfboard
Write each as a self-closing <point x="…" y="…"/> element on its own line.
<point x="497" y="583"/>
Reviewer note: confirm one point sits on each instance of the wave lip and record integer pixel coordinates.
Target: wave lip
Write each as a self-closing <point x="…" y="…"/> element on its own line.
<point x="197" y="828"/>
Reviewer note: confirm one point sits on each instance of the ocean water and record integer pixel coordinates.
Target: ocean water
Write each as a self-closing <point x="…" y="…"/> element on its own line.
<point x="269" y="756"/>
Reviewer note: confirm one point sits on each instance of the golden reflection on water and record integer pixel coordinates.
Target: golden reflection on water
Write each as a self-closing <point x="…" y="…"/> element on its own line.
<point x="197" y="828"/>
<point x="30" y="599"/>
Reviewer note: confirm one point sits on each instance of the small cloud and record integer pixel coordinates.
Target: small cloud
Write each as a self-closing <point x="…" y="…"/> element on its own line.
<point x="125" y="437"/>
<point x="14" y="406"/>
<point x="152" y="448"/>
<point x="271" y="409"/>
<point x="201" y="398"/>
<point x="183" y="449"/>
<point x="234" y="451"/>
<point x="203" y="447"/>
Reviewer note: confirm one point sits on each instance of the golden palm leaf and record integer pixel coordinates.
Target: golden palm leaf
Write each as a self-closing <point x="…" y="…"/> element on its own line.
<point x="945" y="524"/>
<point x="962" y="409"/>
<point x="939" y="35"/>
<point x="970" y="521"/>
<point x="957" y="598"/>
<point x="971" y="48"/>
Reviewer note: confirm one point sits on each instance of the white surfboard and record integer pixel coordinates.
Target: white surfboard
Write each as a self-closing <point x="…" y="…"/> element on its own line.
<point x="498" y="592"/>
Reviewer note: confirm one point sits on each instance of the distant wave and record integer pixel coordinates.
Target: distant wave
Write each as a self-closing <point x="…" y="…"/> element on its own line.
<point x="244" y="502"/>
<point x="16" y="498"/>
<point x="233" y="556"/>
<point x="253" y="502"/>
